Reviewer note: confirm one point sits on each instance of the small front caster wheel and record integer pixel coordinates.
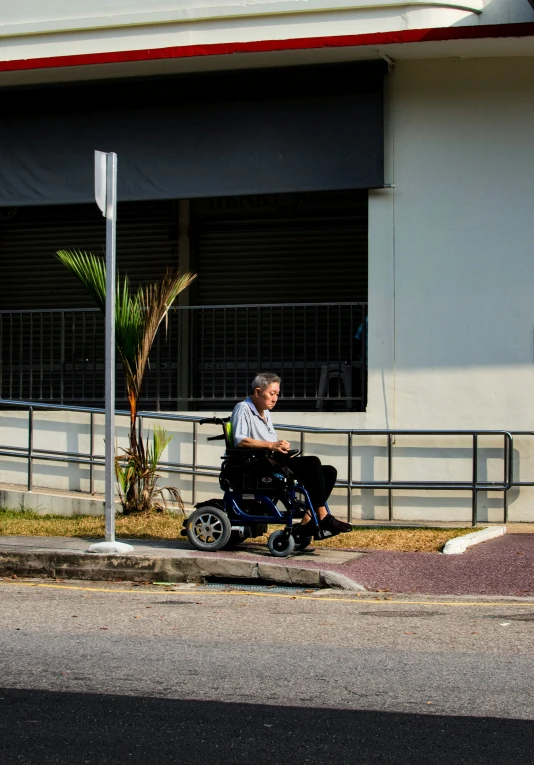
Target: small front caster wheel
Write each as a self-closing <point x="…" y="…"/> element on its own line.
<point x="281" y="544"/>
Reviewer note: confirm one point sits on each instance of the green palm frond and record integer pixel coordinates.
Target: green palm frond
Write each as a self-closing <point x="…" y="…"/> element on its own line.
<point x="160" y="441"/>
<point x="154" y="301"/>
<point x="125" y="473"/>
<point x="90" y="270"/>
<point x="137" y="319"/>
<point x="137" y="477"/>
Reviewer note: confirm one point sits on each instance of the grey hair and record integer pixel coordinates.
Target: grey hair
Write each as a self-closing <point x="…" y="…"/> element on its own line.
<point x="263" y="380"/>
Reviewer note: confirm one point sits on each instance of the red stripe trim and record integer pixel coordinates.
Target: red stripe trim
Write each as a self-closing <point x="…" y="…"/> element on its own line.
<point x="264" y="46"/>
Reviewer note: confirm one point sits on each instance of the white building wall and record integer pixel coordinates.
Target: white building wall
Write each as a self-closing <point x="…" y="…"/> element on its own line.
<point x="451" y="311"/>
<point x="463" y="236"/>
<point x="451" y="315"/>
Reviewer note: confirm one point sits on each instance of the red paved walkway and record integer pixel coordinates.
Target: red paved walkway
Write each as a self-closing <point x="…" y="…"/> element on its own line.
<point x="503" y="566"/>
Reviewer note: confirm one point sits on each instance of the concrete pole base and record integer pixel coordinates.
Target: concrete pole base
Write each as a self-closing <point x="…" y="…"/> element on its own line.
<point x="111" y="548"/>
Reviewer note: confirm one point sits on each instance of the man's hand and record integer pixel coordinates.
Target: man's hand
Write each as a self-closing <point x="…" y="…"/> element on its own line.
<point x="281" y="446"/>
<point x="275" y="446"/>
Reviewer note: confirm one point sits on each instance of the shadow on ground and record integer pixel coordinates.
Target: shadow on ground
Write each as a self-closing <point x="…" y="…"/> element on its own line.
<point x="52" y="728"/>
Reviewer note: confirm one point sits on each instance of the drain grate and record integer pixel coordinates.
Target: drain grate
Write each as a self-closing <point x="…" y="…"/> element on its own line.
<point x="257" y="586"/>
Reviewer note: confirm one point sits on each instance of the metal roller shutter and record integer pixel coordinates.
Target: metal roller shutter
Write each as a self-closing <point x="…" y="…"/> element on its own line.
<point x="305" y="249"/>
<point x="48" y="351"/>
<point x="32" y="278"/>
<point x="313" y="254"/>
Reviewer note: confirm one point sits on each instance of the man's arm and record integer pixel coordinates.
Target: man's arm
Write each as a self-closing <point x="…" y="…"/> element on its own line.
<point x="277" y="446"/>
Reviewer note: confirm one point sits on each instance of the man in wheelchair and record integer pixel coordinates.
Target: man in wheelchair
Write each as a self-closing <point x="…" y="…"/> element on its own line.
<point x="252" y="428"/>
<point x="264" y="482"/>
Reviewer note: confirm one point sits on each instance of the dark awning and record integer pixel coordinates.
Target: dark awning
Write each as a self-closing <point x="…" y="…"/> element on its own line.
<point x="259" y="131"/>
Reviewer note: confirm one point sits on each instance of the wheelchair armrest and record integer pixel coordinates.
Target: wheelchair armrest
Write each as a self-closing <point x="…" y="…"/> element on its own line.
<point x="246" y="452"/>
<point x="213" y="420"/>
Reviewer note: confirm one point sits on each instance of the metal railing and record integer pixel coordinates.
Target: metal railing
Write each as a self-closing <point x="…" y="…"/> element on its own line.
<point x="204" y="356"/>
<point x="474" y="485"/>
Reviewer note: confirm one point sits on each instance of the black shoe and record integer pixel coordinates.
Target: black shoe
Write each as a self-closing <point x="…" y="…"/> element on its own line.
<point x="334" y="526"/>
<point x="303" y="537"/>
<point x="304" y="531"/>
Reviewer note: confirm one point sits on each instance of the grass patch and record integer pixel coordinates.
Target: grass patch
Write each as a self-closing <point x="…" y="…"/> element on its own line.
<point x="169" y="525"/>
<point x="388" y="538"/>
<point x="143" y="526"/>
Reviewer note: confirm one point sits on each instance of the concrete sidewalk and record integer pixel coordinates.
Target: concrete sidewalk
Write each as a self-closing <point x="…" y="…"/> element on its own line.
<point x="501" y="567"/>
<point x="172" y="561"/>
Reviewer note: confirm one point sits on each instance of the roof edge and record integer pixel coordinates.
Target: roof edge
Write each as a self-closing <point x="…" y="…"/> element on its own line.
<point x="439" y="34"/>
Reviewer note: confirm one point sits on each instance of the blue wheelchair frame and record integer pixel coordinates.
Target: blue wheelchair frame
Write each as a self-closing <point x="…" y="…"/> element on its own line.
<point x="231" y="507"/>
<point x="231" y="501"/>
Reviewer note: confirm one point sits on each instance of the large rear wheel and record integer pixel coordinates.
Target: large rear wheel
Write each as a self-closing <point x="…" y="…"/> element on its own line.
<point x="209" y="528"/>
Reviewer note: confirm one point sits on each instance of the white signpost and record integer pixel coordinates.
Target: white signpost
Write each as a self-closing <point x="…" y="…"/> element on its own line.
<point x="106" y="199"/>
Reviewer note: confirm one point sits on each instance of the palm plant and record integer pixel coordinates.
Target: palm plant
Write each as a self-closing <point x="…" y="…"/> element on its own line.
<point x="137" y="319"/>
<point x="138" y="469"/>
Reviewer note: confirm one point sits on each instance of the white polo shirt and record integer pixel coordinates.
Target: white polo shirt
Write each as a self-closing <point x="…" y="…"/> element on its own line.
<point x="247" y="423"/>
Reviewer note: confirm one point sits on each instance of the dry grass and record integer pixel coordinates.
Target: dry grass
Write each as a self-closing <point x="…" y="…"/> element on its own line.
<point x="387" y="538"/>
<point x="168" y="526"/>
<point x="144" y="526"/>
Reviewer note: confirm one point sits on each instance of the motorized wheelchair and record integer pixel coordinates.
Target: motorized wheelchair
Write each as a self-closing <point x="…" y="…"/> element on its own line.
<point x="259" y="489"/>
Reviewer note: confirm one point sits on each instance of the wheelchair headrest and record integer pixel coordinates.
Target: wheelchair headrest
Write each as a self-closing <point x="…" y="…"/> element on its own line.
<point x="228" y="434"/>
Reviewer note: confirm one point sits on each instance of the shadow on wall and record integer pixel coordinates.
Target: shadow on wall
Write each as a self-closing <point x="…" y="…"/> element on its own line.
<point x="502" y="12"/>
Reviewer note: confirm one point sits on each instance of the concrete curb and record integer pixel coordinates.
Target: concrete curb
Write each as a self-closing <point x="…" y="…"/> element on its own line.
<point x="340" y="582"/>
<point x="460" y="544"/>
<point x="139" y="568"/>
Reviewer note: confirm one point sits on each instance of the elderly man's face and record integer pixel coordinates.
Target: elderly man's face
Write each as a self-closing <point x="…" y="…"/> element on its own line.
<point x="267" y="398"/>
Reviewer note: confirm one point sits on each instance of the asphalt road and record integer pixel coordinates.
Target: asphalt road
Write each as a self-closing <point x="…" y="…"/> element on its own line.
<point x="114" y="674"/>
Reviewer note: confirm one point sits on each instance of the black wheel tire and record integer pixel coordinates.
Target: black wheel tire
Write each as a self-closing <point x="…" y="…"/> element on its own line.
<point x="281" y="544"/>
<point x="303" y="543"/>
<point x="209" y="528"/>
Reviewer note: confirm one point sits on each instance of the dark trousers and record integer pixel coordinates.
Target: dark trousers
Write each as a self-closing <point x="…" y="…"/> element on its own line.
<point x="318" y="479"/>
